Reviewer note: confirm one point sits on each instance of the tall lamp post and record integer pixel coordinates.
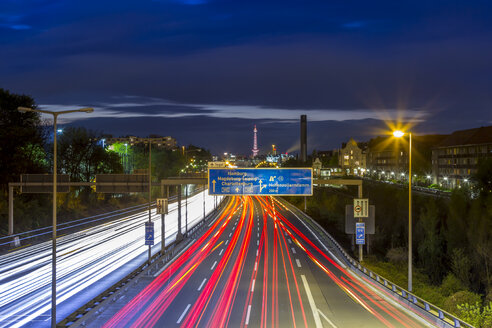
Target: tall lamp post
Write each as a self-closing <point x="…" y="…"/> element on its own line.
<point x="53" y="262"/>
<point x="399" y="134"/>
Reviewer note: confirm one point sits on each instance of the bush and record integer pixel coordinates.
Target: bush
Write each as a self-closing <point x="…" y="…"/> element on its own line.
<point x="474" y="315"/>
<point x="462" y="297"/>
<point x="451" y="285"/>
<point x="397" y="255"/>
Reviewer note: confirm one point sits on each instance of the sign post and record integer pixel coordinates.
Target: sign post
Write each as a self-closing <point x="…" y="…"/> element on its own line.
<point x="361" y="210"/>
<point x="162" y="209"/>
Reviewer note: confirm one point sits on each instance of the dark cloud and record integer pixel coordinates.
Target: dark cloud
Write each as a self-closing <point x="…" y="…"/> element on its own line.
<point x="202" y="57"/>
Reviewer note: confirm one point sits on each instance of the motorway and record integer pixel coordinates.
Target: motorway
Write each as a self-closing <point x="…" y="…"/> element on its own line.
<point x="88" y="262"/>
<point x="259" y="265"/>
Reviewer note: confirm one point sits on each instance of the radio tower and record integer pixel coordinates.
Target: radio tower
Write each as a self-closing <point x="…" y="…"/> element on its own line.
<point x="255" y="145"/>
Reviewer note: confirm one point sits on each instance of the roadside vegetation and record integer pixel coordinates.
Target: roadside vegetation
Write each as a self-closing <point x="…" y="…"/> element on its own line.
<point x="452" y="240"/>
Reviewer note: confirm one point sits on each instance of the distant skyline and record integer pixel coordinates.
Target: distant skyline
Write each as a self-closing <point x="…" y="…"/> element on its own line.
<point x="205" y="71"/>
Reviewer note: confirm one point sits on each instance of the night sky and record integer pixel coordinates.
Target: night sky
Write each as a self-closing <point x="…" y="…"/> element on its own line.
<point x="206" y="71"/>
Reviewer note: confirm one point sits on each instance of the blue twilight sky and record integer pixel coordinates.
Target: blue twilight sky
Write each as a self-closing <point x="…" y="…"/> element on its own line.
<point x="206" y="71"/>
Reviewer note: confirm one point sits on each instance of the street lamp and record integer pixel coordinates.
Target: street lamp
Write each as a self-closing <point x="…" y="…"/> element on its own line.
<point x="53" y="262"/>
<point x="399" y="134"/>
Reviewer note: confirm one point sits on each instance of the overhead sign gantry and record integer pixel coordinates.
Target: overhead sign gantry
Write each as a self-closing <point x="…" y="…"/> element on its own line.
<point x="260" y="181"/>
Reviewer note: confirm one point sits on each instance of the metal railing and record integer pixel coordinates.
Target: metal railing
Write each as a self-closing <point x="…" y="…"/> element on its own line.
<point x="444" y="317"/>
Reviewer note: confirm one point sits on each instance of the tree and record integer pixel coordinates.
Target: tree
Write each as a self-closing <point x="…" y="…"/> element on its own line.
<point x="81" y="156"/>
<point x="483" y="177"/>
<point x="21" y="139"/>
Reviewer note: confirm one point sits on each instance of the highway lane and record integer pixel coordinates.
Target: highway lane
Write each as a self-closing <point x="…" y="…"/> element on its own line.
<point x="259" y="265"/>
<point x="88" y="262"/>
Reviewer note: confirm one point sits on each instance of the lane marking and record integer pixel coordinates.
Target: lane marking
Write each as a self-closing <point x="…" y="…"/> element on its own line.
<point x="257" y="243"/>
<point x="258" y="235"/>
<point x="221" y="251"/>
<point x="326" y="318"/>
<point x="183" y="314"/>
<point x="256" y="265"/>
<point x="317" y="319"/>
<point x="227" y="241"/>
<point x="213" y="266"/>
<point x="290" y="241"/>
<point x="253" y="285"/>
<point x="256" y="252"/>
<point x="201" y="285"/>
<point x="230" y="235"/>
<point x="293" y="250"/>
<point x="247" y="315"/>
<point x="298" y="263"/>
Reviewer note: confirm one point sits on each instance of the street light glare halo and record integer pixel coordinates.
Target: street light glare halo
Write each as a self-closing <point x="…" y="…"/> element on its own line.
<point x="398" y="133"/>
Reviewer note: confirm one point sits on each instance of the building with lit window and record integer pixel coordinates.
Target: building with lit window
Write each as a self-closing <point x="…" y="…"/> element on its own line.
<point x="166" y="142"/>
<point x="352" y="158"/>
<point x="455" y="159"/>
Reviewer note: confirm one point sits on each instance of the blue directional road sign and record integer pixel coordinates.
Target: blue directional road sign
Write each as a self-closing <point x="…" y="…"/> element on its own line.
<point x="149" y="233"/>
<point x="360" y="233"/>
<point x="261" y="181"/>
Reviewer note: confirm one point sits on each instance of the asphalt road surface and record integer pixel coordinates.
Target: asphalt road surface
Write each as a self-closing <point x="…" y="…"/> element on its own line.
<point x="259" y="265"/>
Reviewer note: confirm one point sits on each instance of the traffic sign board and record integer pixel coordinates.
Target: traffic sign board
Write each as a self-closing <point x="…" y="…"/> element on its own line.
<point x="360" y="233"/>
<point x="261" y="181"/>
<point x="361" y="208"/>
<point x="149" y="233"/>
<point x="162" y="205"/>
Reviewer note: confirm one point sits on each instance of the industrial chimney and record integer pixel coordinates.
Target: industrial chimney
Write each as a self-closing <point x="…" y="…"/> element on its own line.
<point x="303" y="139"/>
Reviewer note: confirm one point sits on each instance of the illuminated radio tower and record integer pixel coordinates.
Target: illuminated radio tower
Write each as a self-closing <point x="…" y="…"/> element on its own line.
<point x="255" y="145"/>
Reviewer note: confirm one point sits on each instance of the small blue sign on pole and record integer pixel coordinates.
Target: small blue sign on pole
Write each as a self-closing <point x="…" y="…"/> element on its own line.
<point x="360" y="233"/>
<point x="149" y="233"/>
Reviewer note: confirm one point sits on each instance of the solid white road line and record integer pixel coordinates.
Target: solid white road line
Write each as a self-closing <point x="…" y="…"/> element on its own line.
<point x="317" y="319"/>
<point x="213" y="266"/>
<point x="247" y="315"/>
<point x="298" y="263"/>
<point x="326" y="318"/>
<point x="183" y="314"/>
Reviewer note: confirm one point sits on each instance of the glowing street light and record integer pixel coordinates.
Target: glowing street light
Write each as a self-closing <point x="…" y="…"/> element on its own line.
<point x="399" y="134"/>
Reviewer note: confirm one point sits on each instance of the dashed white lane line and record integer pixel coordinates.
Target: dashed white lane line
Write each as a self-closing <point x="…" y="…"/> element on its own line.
<point x="256" y="265"/>
<point x="298" y="263"/>
<point x="247" y="315"/>
<point x="258" y="235"/>
<point x="203" y="283"/>
<point x="213" y="266"/>
<point x="317" y="319"/>
<point x="230" y="235"/>
<point x="253" y="285"/>
<point x="227" y="242"/>
<point x="290" y="241"/>
<point x="183" y="314"/>
<point x="257" y="243"/>
<point x="326" y="318"/>
<point x="293" y="250"/>
<point x="222" y="250"/>
<point x="256" y="252"/>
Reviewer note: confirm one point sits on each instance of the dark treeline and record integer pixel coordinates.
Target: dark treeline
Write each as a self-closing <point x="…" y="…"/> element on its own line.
<point x="26" y="147"/>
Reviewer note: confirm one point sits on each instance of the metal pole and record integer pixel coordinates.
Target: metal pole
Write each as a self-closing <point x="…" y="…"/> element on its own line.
<point x="361" y="250"/>
<point x="163" y="234"/>
<point x="53" y="260"/>
<point x="204" y="203"/>
<point x="11" y="210"/>
<point x="410" y="214"/>
<point x="305" y="204"/>
<point x="150" y="192"/>
<point x="179" y="236"/>
<point x="186" y="208"/>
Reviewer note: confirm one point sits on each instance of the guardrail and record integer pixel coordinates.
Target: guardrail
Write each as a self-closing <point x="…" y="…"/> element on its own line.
<point x="445" y="318"/>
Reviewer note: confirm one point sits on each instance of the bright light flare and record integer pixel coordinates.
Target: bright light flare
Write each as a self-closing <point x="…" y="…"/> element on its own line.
<point x="398" y="133"/>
